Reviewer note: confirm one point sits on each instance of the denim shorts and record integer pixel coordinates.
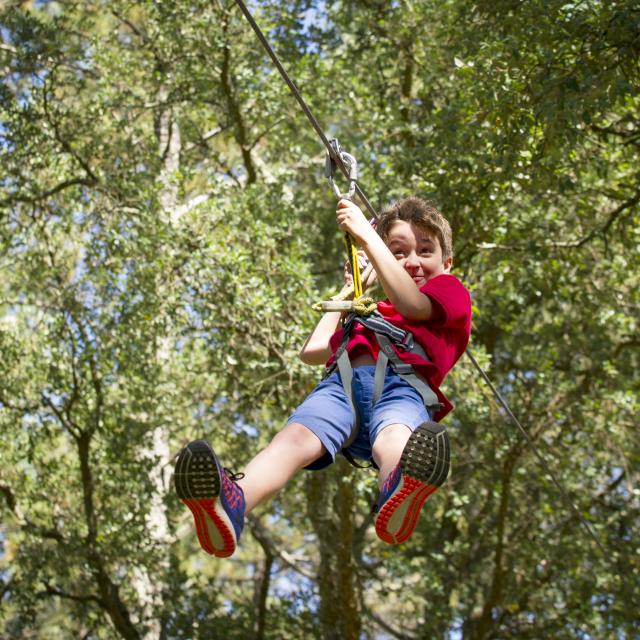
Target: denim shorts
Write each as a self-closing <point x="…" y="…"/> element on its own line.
<point x="327" y="413"/>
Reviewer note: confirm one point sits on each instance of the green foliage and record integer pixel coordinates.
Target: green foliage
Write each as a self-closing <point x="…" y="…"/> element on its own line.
<point x="164" y="229"/>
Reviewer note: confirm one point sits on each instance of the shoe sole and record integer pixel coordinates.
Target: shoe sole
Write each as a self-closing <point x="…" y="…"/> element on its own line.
<point x="424" y="467"/>
<point x="197" y="480"/>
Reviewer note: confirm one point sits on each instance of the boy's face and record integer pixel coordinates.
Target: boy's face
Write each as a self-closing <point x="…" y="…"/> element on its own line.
<point x="418" y="250"/>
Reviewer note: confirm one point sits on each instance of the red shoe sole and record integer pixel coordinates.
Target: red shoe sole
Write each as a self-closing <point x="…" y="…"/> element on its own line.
<point x="215" y="534"/>
<point x="406" y="504"/>
<point x="197" y="479"/>
<point x="425" y="467"/>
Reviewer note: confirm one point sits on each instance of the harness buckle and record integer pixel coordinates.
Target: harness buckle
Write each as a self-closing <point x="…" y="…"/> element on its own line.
<point x="407" y="343"/>
<point x="403" y="368"/>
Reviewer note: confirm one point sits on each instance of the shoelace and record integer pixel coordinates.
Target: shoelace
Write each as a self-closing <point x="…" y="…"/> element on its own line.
<point x="234" y="477"/>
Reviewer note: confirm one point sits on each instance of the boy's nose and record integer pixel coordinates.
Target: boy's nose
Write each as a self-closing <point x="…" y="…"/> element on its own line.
<point x="411" y="262"/>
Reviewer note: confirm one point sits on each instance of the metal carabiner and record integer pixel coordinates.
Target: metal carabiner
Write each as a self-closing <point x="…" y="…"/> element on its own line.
<point x="330" y="166"/>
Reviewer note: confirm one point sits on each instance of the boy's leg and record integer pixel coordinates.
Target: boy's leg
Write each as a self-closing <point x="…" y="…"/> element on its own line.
<point x="216" y="496"/>
<point x="290" y="450"/>
<point x="408" y="476"/>
<point x="388" y="448"/>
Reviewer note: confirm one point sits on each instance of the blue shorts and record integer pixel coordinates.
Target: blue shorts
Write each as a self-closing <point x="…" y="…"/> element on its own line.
<point x="327" y="413"/>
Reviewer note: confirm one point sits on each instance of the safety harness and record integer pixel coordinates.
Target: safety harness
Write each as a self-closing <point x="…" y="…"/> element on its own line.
<point x="387" y="335"/>
<point x="364" y="311"/>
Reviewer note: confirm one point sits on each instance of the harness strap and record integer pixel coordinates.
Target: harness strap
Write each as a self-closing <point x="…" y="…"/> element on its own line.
<point x="405" y="371"/>
<point x="346" y="373"/>
<point x="343" y="364"/>
<point x="383" y="361"/>
<point x="352" y="461"/>
<point x="386" y="334"/>
<point x="378" y="381"/>
<point x="377" y="324"/>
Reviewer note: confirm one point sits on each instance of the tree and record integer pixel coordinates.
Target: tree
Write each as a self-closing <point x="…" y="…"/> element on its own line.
<point x="164" y="229"/>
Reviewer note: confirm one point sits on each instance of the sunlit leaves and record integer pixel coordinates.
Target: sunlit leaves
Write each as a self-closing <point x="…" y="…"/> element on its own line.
<point x="149" y="296"/>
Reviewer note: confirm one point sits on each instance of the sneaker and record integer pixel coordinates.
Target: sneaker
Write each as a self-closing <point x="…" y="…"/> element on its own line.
<point x="423" y="467"/>
<point x="211" y="493"/>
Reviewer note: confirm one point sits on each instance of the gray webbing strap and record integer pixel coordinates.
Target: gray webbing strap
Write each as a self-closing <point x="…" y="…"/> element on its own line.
<point x="378" y="381"/>
<point x="346" y="373"/>
<point x="342" y="347"/>
<point x="406" y="372"/>
<point x="343" y="364"/>
<point x="376" y="323"/>
<point x="381" y="367"/>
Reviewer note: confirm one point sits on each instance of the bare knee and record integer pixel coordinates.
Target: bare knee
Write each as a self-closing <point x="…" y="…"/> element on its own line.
<point x="302" y="442"/>
<point x="390" y="442"/>
<point x="394" y="433"/>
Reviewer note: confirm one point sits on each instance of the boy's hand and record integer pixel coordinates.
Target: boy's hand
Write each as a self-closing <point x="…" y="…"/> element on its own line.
<point x="351" y="220"/>
<point x="362" y="263"/>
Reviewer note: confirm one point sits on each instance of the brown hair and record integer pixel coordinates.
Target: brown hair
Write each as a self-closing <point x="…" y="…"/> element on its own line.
<point x="421" y="213"/>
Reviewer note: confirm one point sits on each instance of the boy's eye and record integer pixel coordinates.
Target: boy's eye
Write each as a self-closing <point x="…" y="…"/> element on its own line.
<point x="426" y="252"/>
<point x="398" y="254"/>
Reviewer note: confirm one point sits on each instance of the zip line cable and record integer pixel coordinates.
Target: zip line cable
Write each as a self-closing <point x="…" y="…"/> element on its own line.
<point x="318" y="129"/>
<point x="535" y="450"/>
<point x="307" y="112"/>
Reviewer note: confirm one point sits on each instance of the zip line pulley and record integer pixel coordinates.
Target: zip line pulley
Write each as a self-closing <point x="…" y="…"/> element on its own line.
<point x="340" y="302"/>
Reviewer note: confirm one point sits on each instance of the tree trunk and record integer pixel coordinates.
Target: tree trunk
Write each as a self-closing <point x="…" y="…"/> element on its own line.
<point x="331" y="502"/>
<point x="110" y="599"/>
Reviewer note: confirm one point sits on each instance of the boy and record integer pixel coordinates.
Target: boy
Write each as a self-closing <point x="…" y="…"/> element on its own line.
<point x="411" y="252"/>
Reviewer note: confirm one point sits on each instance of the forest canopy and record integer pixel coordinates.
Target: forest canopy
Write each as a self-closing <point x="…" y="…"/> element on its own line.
<point x="165" y="227"/>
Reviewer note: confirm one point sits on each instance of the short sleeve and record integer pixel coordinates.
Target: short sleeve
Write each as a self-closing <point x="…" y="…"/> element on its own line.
<point x="451" y="299"/>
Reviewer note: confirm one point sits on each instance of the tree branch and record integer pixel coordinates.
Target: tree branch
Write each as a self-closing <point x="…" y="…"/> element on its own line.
<point x="262" y="580"/>
<point x="52" y="591"/>
<point x="134" y="28"/>
<point x="64" y="420"/>
<point x="109" y="592"/>
<point x="9" y="497"/>
<point x="205" y="137"/>
<point x="33" y="199"/>
<point x="66" y="146"/>
<point x="27" y="525"/>
<point x="570" y="244"/>
<point x="234" y="110"/>
<point x="268" y="130"/>
<point x="401" y="635"/>
<point x="25" y="408"/>
<point x="482" y="624"/>
<point x="262" y="535"/>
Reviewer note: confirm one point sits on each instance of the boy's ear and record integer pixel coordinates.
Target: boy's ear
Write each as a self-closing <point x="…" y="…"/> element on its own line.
<point x="447" y="263"/>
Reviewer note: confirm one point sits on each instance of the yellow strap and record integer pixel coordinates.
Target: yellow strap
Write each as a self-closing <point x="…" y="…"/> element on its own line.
<point x="360" y="305"/>
<point x="352" y="251"/>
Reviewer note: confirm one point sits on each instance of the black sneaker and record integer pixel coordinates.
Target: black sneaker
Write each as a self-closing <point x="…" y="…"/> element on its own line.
<point x="211" y="493"/>
<point x="423" y="467"/>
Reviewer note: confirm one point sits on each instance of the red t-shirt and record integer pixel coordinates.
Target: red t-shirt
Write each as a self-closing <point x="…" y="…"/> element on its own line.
<point x="444" y="337"/>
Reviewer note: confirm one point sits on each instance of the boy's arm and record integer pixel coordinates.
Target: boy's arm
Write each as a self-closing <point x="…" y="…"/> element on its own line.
<point x="396" y="282"/>
<point x="316" y="349"/>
